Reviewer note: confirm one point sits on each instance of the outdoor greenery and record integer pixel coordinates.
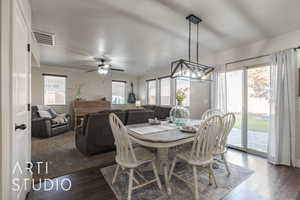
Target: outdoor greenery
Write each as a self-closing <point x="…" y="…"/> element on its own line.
<point x="181" y="95"/>
<point x="255" y="123"/>
<point x="259" y="82"/>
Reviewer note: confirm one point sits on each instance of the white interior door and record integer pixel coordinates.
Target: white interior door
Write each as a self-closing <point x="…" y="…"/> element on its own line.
<point x="20" y="143"/>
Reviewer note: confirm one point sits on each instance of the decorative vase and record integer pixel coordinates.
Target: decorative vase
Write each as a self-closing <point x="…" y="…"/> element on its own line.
<point x="179" y="115"/>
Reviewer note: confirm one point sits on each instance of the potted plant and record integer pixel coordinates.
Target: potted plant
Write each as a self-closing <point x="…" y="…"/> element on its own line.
<point x="179" y="114"/>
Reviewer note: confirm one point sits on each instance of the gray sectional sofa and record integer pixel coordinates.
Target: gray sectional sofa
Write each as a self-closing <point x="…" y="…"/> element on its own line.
<point x="95" y="135"/>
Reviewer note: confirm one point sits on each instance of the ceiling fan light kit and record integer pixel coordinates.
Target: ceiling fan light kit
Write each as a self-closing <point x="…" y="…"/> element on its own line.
<point x="103" y="67"/>
<point x="102" y="71"/>
<point x="186" y="69"/>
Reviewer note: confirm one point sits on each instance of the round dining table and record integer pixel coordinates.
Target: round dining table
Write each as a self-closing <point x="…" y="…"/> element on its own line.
<point x="162" y="141"/>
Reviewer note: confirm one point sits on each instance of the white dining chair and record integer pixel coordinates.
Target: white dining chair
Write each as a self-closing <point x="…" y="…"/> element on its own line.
<point x="130" y="158"/>
<point x="220" y="149"/>
<point x="201" y="153"/>
<point x="209" y="113"/>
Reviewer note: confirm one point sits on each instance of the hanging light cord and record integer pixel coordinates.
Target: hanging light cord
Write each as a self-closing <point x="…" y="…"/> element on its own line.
<point x="197" y="43"/>
<point x="190" y="41"/>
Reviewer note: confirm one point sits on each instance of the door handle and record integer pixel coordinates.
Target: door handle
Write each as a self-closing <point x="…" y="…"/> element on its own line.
<point x="21" y="127"/>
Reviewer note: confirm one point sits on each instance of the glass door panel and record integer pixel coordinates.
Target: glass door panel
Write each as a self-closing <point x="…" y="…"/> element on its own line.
<point x="258" y="89"/>
<point x="234" y="80"/>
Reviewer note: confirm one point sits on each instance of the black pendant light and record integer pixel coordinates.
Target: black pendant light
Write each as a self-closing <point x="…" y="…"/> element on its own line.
<point x="186" y="68"/>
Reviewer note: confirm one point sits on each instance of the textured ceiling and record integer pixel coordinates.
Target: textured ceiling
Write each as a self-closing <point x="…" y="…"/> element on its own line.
<point x="143" y="35"/>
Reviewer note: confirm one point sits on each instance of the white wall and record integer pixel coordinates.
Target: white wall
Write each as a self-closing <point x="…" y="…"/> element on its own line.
<point x="289" y="40"/>
<point x="94" y="86"/>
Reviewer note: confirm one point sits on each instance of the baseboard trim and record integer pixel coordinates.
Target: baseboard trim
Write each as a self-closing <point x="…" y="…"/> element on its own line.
<point x="297" y="163"/>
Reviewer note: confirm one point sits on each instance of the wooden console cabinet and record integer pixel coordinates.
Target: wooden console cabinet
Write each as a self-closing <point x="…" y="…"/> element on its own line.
<point x="81" y="108"/>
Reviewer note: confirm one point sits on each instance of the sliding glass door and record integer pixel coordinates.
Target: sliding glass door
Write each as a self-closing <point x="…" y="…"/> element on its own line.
<point x="248" y="94"/>
<point x="258" y="90"/>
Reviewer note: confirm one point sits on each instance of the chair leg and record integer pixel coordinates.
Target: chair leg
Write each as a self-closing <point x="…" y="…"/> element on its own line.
<point x="167" y="182"/>
<point x="116" y="174"/>
<point x="196" y="182"/>
<point x="172" y="168"/>
<point x="209" y="178"/>
<point x="156" y="175"/>
<point x="130" y="184"/>
<point x="226" y="164"/>
<point x="212" y="174"/>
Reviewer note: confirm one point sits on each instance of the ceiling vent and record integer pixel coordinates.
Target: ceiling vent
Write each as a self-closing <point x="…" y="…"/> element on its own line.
<point x="44" y="38"/>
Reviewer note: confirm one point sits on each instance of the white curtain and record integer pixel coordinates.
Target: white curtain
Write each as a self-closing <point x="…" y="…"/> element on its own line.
<point x="218" y="90"/>
<point x="283" y="108"/>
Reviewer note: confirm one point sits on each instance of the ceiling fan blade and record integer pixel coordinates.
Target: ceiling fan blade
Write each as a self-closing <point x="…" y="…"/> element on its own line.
<point x="119" y="70"/>
<point x="91" y="70"/>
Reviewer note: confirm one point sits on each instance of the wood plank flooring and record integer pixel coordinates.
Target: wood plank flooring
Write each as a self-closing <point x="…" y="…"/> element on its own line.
<point x="269" y="182"/>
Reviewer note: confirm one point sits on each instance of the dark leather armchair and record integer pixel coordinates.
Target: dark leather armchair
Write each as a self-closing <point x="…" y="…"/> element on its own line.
<point x="95" y="134"/>
<point x="44" y="127"/>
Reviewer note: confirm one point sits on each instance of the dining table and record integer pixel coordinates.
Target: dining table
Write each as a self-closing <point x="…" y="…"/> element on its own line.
<point x="162" y="137"/>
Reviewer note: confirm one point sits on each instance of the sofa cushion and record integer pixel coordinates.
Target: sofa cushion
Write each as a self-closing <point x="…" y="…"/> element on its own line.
<point x="162" y="112"/>
<point x="150" y="107"/>
<point x="138" y="116"/>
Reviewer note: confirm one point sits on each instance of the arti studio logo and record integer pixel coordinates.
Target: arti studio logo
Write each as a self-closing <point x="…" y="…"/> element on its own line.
<point x="21" y="181"/>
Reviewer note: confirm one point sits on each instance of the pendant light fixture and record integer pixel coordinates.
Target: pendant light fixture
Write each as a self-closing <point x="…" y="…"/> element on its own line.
<point x="187" y="69"/>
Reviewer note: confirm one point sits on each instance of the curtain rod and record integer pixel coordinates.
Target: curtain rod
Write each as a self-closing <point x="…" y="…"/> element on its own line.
<point x="251" y="58"/>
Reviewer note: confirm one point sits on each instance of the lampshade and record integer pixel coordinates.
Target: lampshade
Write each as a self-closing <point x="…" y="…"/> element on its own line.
<point x="138" y="103"/>
<point x="190" y="70"/>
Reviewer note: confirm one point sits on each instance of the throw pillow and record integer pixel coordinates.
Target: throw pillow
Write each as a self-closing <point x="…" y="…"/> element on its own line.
<point x="52" y="113"/>
<point x="44" y="114"/>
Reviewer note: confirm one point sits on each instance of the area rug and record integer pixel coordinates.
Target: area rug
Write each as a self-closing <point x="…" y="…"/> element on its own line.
<point x="180" y="189"/>
<point x="63" y="157"/>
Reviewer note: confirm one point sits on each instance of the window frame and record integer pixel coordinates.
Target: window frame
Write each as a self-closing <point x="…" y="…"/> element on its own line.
<point x="44" y="89"/>
<point x="170" y="91"/>
<point x="155" y="81"/>
<point x="125" y="91"/>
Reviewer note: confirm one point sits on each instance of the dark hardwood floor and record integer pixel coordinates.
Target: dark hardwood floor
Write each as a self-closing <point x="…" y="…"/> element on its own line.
<point x="269" y="182"/>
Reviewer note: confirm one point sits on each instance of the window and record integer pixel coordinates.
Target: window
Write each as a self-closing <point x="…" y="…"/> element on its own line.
<point x="118" y="92"/>
<point x="183" y="84"/>
<point x="54" y="89"/>
<point x="151" y="91"/>
<point x="165" y="91"/>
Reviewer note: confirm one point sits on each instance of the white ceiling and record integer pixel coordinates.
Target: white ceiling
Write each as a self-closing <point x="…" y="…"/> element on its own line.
<point x="143" y="35"/>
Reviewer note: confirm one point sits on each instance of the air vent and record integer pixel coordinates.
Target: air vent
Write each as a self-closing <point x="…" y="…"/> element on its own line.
<point x="45" y="38"/>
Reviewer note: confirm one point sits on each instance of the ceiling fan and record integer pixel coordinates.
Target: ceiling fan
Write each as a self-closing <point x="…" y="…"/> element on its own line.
<point x="103" y="66"/>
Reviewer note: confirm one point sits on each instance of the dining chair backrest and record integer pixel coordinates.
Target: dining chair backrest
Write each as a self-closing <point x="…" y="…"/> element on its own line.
<point x="205" y="138"/>
<point x="228" y="123"/>
<point x="207" y="114"/>
<point x="125" y="153"/>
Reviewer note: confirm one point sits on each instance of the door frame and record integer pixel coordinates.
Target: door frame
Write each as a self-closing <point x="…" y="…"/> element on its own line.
<point x="5" y="97"/>
<point x="244" y="127"/>
<point x="6" y="87"/>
